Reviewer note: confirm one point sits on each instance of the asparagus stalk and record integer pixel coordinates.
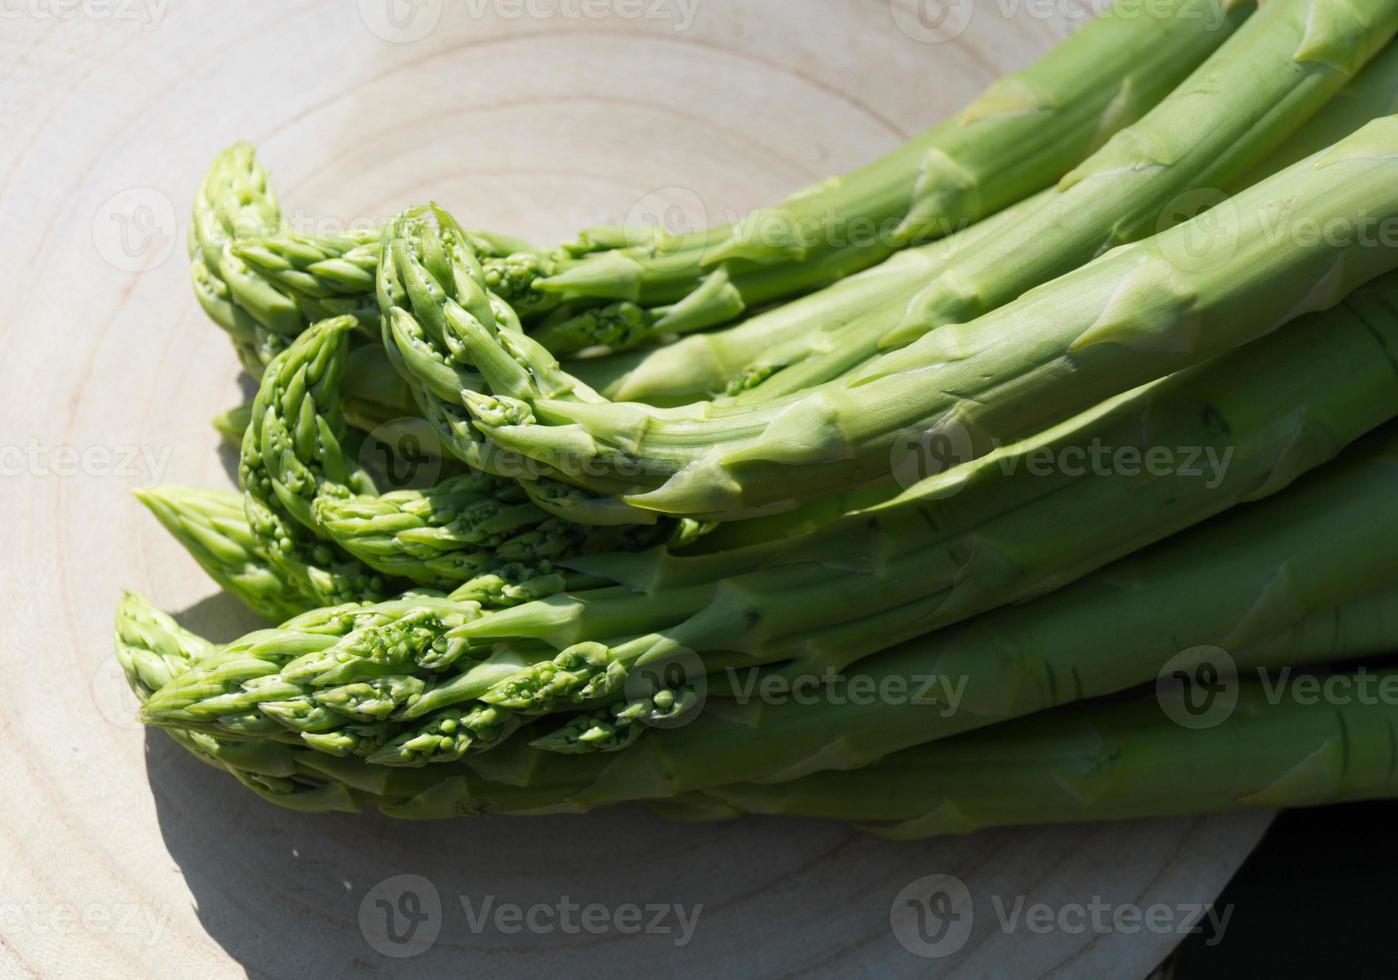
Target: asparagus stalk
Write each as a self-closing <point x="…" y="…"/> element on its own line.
<point x="291" y="454"/>
<point x="1116" y="760"/>
<point x="234" y="200"/>
<point x="738" y="358"/>
<point x="231" y="424"/>
<point x="461" y="529"/>
<point x="308" y="780"/>
<point x="927" y="559"/>
<point x="1019" y="136"/>
<point x="1260" y="86"/>
<point x="1259" y="571"/>
<point x="1023" y="133"/>
<point x="153" y="649"/>
<point x="956" y="544"/>
<point x="1137" y="313"/>
<point x="212" y="526"/>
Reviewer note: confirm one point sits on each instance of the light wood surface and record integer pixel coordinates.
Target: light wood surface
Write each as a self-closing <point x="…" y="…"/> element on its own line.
<point x="122" y="857"/>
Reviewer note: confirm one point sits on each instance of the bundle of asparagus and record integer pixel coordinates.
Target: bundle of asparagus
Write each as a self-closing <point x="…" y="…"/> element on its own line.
<point x="636" y="558"/>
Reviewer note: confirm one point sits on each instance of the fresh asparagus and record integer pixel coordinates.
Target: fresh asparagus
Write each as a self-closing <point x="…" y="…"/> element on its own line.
<point x="1238" y="106"/>
<point x="1115" y="760"/>
<point x="231" y="424"/>
<point x="926" y="558"/>
<point x="736" y="359"/>
<point x="234" y="200"/>
<point x="460" y="529"/>
<point x="1260" y="571"/>
<point x="954" y="545"/>
<point x="1022" y="134"/>
<point x="212" y="526"/>
<point x="1137" y="313"/>
<point x="291" y="454"/>
<point x="625" y="287"/>
<point x="303" y="779"/>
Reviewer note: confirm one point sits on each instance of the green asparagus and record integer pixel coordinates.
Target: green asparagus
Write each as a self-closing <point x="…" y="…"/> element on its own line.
<point x="955" y="545"/>
<point x="1112" y="761"/>
<point x="1137" y="313"/>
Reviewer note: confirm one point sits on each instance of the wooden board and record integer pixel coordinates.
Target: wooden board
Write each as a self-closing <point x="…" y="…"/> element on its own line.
<point x="119" y="855"/>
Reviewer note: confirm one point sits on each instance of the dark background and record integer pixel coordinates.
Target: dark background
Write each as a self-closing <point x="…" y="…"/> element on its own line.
<point x="1318" y="898"/>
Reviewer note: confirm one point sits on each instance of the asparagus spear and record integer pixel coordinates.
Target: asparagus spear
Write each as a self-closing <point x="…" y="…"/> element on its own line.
<point x="1009" y="531"/>
<point x="1022" y="134"/>
<point x="153" y="649"/>
<point x="958" y="543"/>
<point x="307" y="780"/>
<point x="1258" y="571"/>
<point x="1260" y="86"/>
<point x="234" y="200"/>
<point x="291" y="453"/>
<point x="213" y="527"/>
<point x="1137" y="313"/>
<point x="1115" y="760"/>
<point x="460" y="529"/>
<point x="737" y="358"/>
